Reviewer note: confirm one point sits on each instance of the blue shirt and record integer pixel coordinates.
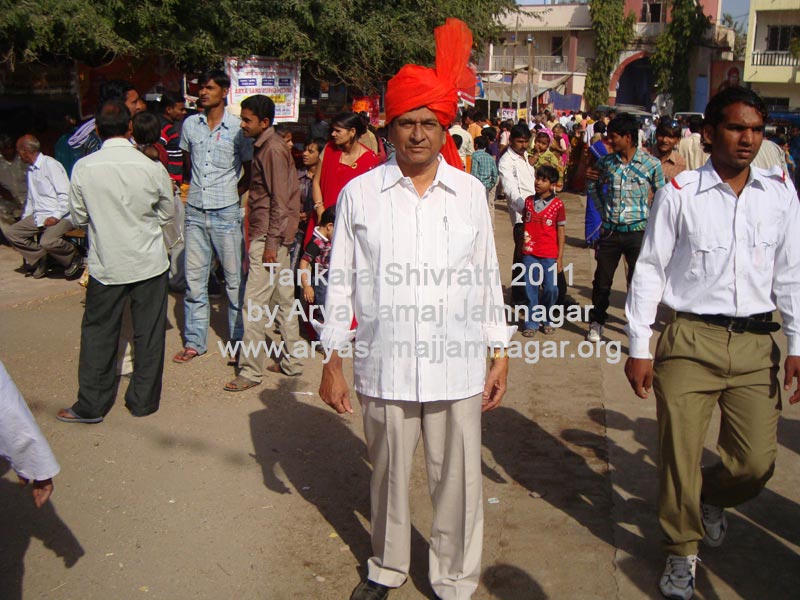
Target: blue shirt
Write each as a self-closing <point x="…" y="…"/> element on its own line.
<point x="217" y="158"/>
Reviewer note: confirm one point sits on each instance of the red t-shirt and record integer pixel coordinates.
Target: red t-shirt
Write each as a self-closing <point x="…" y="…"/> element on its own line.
<point x="541" y="237"/>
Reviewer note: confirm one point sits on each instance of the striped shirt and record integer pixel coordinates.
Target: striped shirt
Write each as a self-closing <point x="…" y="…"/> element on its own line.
<point x="171" y="140"/>
<point x="624" y="190"/>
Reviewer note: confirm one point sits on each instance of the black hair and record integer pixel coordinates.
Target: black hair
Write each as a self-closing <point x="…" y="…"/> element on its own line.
<point x="715" y="109"/>
<point x="457" y="140"/>
<point x="282" y="129"/>
<point x="520" y="131"/>
<point x="548" y="172"/>
<point x="146" y="128"/>
<point x="489" y="133"/>
<point x="168" y="100"/>
<point x="695" y="123"/>
<point x="261" y="106"/>
<point x="481" y="142"/>
<point x="115" y="89"/>
<point x="318" y="142"/>
<point x="219" y="77"/>
<point x="113" y="119"/>
<point x="668" y="128"/>
<point x="328" y="216"/>
<point x="600" y="127"/>
<point x="625" y="124"/>
<point x="350" y="120"/>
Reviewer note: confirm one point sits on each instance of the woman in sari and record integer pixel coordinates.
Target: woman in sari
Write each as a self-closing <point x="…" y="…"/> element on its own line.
<point x="344" y="159"/>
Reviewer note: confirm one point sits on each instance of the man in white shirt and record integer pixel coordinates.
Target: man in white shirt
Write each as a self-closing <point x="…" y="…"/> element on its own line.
<point x="124" y="198"/>
<point x="398" y="226"/>
<point x="518" y="177"/>
<point x="721" y="249"/>
<point x="40" y="231"/>
<point x="467" y="146"/>
<point x="691" y="147"/>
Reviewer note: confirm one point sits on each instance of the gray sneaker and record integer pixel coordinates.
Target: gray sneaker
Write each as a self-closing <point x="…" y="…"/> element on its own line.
<point x="715" y="523"/>
<point x="678" y="579"/>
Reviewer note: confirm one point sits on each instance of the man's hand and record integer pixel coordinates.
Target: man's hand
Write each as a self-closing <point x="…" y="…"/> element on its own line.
<point x="308" y="294"/>
<point x="792" y="371"/>
<point x="639" y="372"/>
<point x="41" y="490"/>
<point x="495" y="387"/>
<point x="269" y="256"/>
<point x="333" y="388"/>
<point x="559" y="265"/>
<point x="50" y="221"/>
<point x="592" y="174"/>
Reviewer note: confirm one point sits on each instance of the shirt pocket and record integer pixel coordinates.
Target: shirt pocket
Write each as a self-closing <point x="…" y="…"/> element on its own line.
<point x="222" y="154"/>
<point x="455" y="245"/>
<point x="765" y="241"/>
<point x="709" y="254"/>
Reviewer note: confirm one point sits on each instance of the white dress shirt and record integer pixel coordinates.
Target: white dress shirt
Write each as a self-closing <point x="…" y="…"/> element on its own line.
<point x="384" y="229"/>
<point x="705" y="251"/>
<point x="21" y="440"/>
<point x="48" y="190"/>
<point x="519" y="182"/>
<point x="124" y="197"/>
<point x="691" y="149"/>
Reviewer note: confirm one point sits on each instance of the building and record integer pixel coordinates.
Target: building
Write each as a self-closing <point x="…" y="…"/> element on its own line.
<point x="769" y="66"/>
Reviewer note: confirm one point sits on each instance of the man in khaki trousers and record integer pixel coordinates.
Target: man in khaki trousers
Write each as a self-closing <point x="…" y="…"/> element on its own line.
<point x="721" y="249"/>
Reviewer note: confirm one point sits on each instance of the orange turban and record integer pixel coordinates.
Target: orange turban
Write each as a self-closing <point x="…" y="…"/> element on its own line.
<point x="436" y="89"/>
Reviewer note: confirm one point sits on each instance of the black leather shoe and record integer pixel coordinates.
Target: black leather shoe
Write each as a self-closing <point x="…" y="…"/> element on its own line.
<point x="369" y="590"/>
<point x="41" y="269"/>
<point x="74" y="265"/>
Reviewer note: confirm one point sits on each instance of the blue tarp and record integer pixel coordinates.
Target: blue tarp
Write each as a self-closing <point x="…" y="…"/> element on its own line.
<point x="565" y="101"/>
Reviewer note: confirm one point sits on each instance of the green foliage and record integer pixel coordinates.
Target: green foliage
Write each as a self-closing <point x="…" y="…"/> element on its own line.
<point x="358" y="42"/>
<point x="674" y="50"/>
<point x="740" y="43"/>
<point x="613" y="31"/>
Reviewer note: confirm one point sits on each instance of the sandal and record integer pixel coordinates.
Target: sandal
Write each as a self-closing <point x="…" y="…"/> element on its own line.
<point x="67" y="415"/>
<point x="240" y="384"/>
<point x="529" y="333"/>
<point x="548" y="330"/>
<point x="185" y="355"/>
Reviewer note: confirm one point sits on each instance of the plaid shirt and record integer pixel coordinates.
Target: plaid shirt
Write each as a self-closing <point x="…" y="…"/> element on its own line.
<point x="484" y="168"/>
<point x="217" y="158"/>
<point x="318" y="252"/>
<point x="624" y="190"/>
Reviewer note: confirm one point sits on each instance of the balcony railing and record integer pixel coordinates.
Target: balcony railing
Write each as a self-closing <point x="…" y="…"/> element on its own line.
<point x="543" y="64"/>
<point x="774" y="59"/>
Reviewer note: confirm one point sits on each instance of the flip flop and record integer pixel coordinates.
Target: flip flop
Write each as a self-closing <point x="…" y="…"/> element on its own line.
<point x="67" y="415"/>
<point x="240" y="384"/>
<point x="185" y="355"/>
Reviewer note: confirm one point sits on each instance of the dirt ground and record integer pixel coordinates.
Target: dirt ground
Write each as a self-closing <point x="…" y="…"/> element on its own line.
<point x="264" y="494"/>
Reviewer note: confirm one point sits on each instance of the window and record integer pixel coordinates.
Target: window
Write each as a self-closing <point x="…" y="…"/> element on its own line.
<point x="779" y="36"/>
<point x="776" y="103"/>
<point x="651" y="11"/>
<point x="557" y="46"/>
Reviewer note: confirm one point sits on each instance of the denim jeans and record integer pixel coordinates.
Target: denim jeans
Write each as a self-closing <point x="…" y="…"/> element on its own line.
<point x="207" y="232"/>
<point x="543" y="276"/>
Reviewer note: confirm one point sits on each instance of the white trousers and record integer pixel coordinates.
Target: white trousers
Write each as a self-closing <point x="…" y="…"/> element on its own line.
<point x="451" y="433"/>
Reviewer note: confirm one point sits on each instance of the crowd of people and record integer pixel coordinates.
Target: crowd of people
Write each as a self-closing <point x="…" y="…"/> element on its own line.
<point x="663" y="197"/>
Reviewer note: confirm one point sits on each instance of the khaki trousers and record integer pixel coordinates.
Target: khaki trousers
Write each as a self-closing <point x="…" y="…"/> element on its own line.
<point x="697" y="366"/>
<point x="451" y="433"/>
<point x="22" y="236"/>
<point x="264" y="289"/>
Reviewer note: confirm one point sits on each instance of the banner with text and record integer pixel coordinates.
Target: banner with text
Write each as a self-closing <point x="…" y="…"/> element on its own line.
<point x="278" y="79"/>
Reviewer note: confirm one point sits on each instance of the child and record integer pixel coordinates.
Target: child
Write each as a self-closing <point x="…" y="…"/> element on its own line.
<point x="317" y="253"/>
<point x="545" y="222"/>
<point x="541" y="154"/>
<point x="147" y="135"/>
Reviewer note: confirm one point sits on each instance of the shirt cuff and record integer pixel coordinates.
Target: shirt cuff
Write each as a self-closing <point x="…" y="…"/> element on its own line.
<point x="498" y="336"/>
<point x="793" y="345"/>
<point x="639" y="347"/>
<point x="332" y="338"/>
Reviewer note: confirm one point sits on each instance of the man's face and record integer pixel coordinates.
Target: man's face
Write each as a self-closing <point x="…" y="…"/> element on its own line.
<point x="665" y="143"/>
<point x="176" y="112"/>
<point x="251" y="125"/>
<point x="620" y="143"/>
<point x="211" y="95"/>
<point x="133" y="102"/>
<point x="736" y="140"/>
<point x="519" y="144"/>
<point x="418" y="137"/>
<point x="542" y="185"/>
<point x="25" y="155"/>
<point x="310" y="155"/>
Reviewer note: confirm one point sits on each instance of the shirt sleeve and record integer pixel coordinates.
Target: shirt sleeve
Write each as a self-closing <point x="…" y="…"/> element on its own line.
<point x="561" y="217"/>
<point x="60" y="180"/>
<point x="244" y="147"/>
<point x="511" y="185"/>
<point x="658" y="176"/>
<point x="165" y="207"/>
<point x="786" y="274"/>
<point x="21" y="440"/>
<point x="649" y="277"/>
<point x="184" y="143"/>
<point x="312" y="252"/>
<point x="77" y="207"/>
<point x="278" y="173"/>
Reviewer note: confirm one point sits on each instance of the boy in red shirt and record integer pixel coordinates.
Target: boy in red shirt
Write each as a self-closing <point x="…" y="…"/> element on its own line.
<point x="545" y="222"/>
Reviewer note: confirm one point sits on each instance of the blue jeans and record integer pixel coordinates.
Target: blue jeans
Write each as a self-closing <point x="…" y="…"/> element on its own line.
<point x="543" y="275"/>
<point x="207" y="232"/>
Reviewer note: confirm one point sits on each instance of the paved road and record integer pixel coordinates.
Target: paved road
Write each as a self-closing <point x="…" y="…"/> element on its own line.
<point x="263" y="494"/>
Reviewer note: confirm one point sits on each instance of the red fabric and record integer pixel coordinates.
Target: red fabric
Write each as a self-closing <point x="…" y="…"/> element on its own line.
<point x="335" y="175"/>
<point x="541" y="228"/>
<point x="436" y="89"/>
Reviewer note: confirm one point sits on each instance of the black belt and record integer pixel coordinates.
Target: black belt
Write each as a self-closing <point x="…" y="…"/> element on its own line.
<point x="760" y="323"/>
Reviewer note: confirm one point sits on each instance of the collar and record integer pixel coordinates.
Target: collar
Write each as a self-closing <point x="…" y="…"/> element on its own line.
<point x="37" y="164"/>
<point x="320" y="234"/>
<point x="264" y="137"/>
<point x="117" y="142"/>
<point x="225" y="122"/>
<point x="671" y="157"/>
<point x="392" y="175"/>
<point x="709" y="178"/>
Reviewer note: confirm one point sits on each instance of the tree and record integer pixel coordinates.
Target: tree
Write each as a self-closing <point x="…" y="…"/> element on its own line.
<point x="674" y="49"/>
<point x="740" y="43"/>
<point x="358" y="42"/>
<point x="613" y="31"/>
